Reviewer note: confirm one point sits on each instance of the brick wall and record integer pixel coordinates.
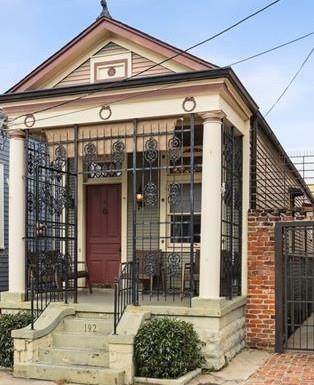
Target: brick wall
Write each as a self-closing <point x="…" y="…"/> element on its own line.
<point x="260" y="317"/>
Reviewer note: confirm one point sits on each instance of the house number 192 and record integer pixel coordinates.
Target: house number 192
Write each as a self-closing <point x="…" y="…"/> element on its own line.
<point x="90" y="328"/>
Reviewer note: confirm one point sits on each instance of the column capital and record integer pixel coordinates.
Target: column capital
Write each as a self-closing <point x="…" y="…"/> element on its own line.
<point x="16" y="134"/>
<point x="213" y="116"/>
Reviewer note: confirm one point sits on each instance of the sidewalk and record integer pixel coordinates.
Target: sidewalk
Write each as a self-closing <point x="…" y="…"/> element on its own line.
<point x="240" y="369"/>
<point x="250" y="367"/>
<point x="286" y="369"/>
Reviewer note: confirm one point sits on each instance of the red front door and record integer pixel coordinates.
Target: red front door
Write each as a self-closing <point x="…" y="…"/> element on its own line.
<point x="103" y="229"/>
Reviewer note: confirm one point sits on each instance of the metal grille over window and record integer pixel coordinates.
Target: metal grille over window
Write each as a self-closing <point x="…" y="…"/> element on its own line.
<point x="166" y="219"/>
<point x="231" y="237"/>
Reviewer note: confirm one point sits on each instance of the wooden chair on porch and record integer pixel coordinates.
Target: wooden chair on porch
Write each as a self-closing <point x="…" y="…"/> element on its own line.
<point x="149" y="265"/>
<point x="82" y="273"/>
<point x="51" y="270"/>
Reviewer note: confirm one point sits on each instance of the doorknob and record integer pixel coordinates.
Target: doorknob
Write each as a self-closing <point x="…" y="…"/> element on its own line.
<point x="105" y="210"/>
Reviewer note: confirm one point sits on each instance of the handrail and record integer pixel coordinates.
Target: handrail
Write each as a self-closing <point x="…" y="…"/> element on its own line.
<point x="122" y="293"/>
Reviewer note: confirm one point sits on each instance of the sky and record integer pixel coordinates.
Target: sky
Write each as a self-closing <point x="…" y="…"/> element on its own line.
<point x="32" y="30"/>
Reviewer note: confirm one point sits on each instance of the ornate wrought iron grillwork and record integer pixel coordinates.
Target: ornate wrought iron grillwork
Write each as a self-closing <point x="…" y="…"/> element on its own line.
<point x="51" y="227"/>
<point x="163" y="236"/>
<point x="231" y="246"/>
<point x="164" y="231"/>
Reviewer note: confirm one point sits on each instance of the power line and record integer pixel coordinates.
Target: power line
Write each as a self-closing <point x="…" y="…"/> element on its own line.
<point x="162" y="62"/>
<point x="291" y="82"/>
<point x="270" y="49"/>
<point x="110" y="103"/>
<point x="169" y="85"/>
<point x="215" y="36"/>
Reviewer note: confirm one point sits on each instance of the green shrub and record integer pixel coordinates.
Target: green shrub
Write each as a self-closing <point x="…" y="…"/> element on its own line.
<point x="167" y="348"/>
<point x="9" y="322"/>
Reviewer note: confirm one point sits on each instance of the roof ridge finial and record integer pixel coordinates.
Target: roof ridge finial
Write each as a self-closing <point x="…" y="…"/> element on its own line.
<point x="105" y="11"/>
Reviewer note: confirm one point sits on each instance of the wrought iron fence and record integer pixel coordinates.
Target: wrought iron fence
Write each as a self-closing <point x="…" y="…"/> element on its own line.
<point x="231" y="226"/>
<point x="277" y="182"/>
<point x="51" y="249"/>
<point x="295" y="286"/>
<point x="162" y="163"/>
<point x="304" y="163"/>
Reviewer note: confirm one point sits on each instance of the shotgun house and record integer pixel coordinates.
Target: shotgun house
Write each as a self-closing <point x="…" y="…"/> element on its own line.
<point x="133" y="166"/>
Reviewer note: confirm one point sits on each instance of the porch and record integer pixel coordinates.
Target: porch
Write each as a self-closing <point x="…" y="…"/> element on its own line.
<point x="124" y="204"/>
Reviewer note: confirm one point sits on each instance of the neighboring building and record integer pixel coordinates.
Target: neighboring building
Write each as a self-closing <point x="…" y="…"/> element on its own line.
<point x="4" y="208"/>
<point x="137" y="166"/>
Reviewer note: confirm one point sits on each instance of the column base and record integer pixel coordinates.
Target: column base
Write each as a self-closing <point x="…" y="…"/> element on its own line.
<point x="10" y="297"/>
<point x="13" y="302"/>
<point x="218" y="306"/>
<point x="222" y="329"/>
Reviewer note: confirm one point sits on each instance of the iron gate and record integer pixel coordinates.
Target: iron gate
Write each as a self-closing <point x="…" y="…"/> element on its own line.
<point x="295" y="286"/>
<point x="51" y="225"/>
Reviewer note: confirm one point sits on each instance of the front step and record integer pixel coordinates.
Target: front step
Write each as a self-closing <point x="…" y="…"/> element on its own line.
<point x="90" y="357"/>
<point x="88" y="325"/>
<point x="70" y="373"/>
<point x="80" y="341"/>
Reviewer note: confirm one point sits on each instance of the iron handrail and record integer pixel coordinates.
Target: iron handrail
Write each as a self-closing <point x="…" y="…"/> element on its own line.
<point x="122" y="293"/>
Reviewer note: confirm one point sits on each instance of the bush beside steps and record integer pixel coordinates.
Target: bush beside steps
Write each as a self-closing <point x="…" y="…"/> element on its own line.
<point x="167" y="348"/>
<point x="9" y="322"/>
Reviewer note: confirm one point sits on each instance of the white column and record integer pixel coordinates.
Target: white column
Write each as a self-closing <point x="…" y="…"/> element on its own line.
<point x="17" y="214"/>
<point x="211" y="206"/>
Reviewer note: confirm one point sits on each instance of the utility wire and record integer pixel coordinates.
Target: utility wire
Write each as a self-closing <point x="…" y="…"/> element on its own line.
<point x="291" y="82"/>
<point x="169" y="85"/>
<point x="215" y="36"/>
<point x="160" y="63"/>
<point x="270" y="50"/>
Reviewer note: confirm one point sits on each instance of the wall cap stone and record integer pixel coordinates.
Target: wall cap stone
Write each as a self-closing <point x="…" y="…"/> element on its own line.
<point x="46" y="323"/>
<point x="179" y="381"/>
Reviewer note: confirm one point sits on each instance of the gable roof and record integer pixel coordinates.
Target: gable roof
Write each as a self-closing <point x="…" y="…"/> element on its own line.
<point x="115" y="27"/>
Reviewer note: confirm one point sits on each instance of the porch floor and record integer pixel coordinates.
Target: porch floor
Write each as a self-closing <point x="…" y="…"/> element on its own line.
<point x="103" y="299"/>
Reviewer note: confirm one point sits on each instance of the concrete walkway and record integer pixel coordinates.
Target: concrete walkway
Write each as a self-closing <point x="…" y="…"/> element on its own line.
<point x="240" y="369"/>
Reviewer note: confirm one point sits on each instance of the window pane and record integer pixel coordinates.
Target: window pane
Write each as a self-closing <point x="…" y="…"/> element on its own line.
<point x="182" y="202"/>
<point x="180" y="229"/>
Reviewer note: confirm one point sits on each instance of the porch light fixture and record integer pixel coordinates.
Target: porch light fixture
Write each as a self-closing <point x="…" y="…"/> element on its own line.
<point x="139" y="197"/>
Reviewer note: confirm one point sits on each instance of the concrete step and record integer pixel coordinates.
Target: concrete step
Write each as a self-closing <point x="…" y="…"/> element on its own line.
<point x="94" y="315"/>
<point x="79" y="374"/>
<point x="80" y="340"/>
<point x="88" y="325"/>
<point x="90" y="357"/>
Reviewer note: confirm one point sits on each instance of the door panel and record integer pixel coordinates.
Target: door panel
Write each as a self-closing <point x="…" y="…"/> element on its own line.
<point x="103" y="230"/>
